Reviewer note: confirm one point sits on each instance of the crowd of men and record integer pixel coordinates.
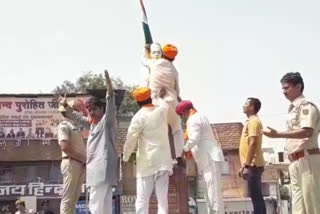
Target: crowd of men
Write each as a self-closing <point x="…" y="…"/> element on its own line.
<point x="161" y="106"/>
<point x="147" y="134"/>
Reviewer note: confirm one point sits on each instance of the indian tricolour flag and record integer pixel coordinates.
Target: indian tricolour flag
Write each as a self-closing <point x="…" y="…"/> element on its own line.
<point x="145" y="25"/>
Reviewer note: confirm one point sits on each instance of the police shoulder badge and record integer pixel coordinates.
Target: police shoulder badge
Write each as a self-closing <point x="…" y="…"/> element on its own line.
<point x="305" y="111"/>
<point x="63" y="127"/>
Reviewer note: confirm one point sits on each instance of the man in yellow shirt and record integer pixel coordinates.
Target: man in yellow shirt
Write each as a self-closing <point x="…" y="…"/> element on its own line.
<point x="251" y="158"/>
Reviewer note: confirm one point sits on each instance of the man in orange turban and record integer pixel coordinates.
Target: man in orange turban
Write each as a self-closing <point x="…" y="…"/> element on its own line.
<point x="142" y="95"/>
<point x="169" y="52"/>
<point x="148" y="131"/>
<point x="163" y="76"/>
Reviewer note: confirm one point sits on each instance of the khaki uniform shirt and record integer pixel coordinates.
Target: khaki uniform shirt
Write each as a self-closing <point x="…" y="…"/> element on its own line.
<point x="71" y="133"/>
<point x="303" y="114"/>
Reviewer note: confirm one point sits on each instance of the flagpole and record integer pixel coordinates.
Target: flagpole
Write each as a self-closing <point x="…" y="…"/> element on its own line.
<point x="145" y="25"/>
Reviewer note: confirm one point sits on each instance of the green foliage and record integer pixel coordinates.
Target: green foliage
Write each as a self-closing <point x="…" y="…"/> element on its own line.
<point x="66" y="87"/>
<point x="96" y="81"/>
<point x="90" y="80"/>
<point x="128" y="106"/>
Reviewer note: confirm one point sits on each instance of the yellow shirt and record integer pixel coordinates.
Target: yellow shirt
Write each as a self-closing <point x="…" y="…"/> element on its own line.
<point x="252" y="127"/>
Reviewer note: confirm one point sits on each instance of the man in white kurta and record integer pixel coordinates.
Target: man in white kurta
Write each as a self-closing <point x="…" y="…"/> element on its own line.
<point x="164" y="75"/>
<point x="206" y="152"/>
<point x="148" y="131"/>
<point x="102" y="160"/>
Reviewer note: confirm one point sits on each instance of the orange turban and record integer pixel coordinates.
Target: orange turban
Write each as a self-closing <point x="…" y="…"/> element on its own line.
<point x="142" y="94"/>
<point x="169" y="51"/>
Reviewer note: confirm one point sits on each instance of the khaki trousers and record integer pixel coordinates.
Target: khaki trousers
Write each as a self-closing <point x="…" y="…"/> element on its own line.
<point x="305" y="185"/>
<point x="73" y="174"/>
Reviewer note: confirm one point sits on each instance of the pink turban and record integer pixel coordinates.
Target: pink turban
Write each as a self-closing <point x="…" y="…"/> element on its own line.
<point x="182" y="106"/>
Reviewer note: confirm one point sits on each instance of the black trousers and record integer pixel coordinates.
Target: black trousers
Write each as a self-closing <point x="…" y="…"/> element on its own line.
<point x="255" y="189"/>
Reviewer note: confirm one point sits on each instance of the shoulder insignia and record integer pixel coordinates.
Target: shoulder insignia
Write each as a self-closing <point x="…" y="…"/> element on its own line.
<point x="305" y="111"/>
<point x="306" y="102"/>
<point x="63" y="124"/>
<point x="63" y="128"/>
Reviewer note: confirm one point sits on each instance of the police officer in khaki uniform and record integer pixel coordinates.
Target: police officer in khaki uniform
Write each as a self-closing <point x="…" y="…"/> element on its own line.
<point x="73" y="161"/>
<point x="302" y="146"/>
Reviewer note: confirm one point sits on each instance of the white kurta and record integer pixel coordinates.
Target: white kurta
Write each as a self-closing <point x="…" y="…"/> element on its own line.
<point x="102" y="169"/>
<point x="148" y="131"/>
<point x="200" y="134"/>
<point x="102" y="159"/>
<point x="163" y="74"/>
<point x="206" y="152"/>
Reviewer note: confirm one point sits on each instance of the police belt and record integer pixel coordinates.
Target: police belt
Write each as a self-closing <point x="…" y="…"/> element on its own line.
<point x="70" y="158"/>
<point x="300" y="154"/>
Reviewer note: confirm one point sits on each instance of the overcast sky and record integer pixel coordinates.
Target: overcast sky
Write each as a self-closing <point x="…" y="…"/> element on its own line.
<point x="228" y="49"/>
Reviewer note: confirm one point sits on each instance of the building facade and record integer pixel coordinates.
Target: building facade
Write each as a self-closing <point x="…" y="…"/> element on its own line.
<point x="30" y="162"/>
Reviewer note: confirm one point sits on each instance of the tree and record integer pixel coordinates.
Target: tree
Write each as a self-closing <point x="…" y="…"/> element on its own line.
<point x="88" y="80"/>
<point x="66" y="87"/>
